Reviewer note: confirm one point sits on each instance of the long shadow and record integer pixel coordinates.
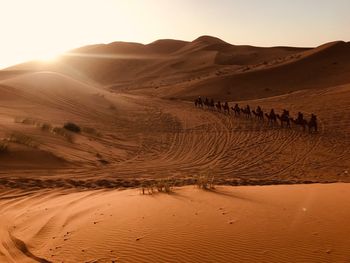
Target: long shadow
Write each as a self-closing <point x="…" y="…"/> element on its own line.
<point x="20" y="245"/>
<point x="231" y="195"/>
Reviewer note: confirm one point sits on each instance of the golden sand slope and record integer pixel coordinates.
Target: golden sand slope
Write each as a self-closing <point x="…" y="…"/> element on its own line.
<point x="304" y="223"/>
<point x="130" y="138"/>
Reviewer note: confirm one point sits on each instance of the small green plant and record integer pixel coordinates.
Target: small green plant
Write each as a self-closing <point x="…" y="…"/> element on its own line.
<point x="70" y="126"/>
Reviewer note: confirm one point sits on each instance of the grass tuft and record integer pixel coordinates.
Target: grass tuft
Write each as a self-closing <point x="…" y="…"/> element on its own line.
<point x="206" y="181"/>
<point x="161" y="186"/>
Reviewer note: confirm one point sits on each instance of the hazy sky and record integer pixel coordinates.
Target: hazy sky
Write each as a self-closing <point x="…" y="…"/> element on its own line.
<point x="39" y="29"/>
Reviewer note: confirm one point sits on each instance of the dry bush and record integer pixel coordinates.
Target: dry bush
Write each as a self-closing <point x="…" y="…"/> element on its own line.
<point x="23" y="139"/>
<point x="64" y="133"/>
<point x="161" y="186"/>
<point x="147" y="188"/>
<point x="205" y="181"/>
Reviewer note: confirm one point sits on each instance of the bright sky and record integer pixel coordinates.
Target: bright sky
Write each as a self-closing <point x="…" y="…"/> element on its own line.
<point x="40" y="29"/>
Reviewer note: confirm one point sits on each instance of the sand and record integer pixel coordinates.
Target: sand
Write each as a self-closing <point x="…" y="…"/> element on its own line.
<point x="75" y="197"/>
<point x="303" y="223"/>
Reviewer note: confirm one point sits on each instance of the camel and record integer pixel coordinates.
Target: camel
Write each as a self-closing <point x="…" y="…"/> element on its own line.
<point x="312" y="124"/>
<point x="300" y="121"/>
<point x="218" y="106"/>
<point x="259" y="114"/>
<point x="236" y="110"/>
<point x="284" y="118"/>
<point x="212" y="104"/>
<point x="226" y="108"/>
<point x="247" y="111"/>
<point x="198" y="103"/>
<point x="272" y="118"/>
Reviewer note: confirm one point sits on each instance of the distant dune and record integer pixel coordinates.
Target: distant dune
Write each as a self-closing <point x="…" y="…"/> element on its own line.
<point x="206" y="66"/>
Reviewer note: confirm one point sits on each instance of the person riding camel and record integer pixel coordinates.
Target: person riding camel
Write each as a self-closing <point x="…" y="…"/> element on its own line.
<point x="258" y="110"/>
<point x="200" y="99"/>
<point x="300" y="117"/>
<point x="272" y="113"/>
<point x="313" y="122"/>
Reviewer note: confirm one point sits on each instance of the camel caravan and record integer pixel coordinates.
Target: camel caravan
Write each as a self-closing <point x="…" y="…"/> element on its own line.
<point x="272" y="118"/>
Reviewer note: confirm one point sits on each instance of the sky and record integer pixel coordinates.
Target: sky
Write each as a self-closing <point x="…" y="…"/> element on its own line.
<point x="42" y="29"/>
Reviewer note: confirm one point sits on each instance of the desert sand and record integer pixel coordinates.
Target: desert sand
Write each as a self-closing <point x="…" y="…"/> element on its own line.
<point x="300" y="223"/>
<point x="75" y="197"/>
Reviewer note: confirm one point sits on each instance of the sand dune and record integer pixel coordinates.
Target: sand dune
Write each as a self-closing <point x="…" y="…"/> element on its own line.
<point x="161" y="63"/>
<point x="132" y="138"/>
<point x="241" y="224"/>
<point x="137" y="127"/>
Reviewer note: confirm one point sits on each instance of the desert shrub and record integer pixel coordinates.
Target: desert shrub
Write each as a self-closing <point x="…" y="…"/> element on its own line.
<point x="3" y="146"/>
<point x="161" y="186"/>
<point x="147" y="188"/>
<point x="164" y="185"/>
<point x="70" y="126"/>
<point x="23" y="139"/>
<point x="63" y="132"/>
<point x="205" y="181"/>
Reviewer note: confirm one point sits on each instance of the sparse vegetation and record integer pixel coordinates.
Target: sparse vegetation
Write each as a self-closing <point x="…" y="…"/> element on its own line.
<point x="23" y="139"/>
<point x="205" y="181"/>
<point x="63" y="132"/>
<point x="161" y="186"/>
<point x="70" y="126"/>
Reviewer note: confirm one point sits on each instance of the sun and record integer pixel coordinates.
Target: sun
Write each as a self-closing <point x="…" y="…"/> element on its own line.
<point x="48" y="57"/>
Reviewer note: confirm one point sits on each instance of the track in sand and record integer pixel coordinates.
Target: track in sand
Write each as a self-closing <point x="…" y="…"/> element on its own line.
<point x="146" y="138"/>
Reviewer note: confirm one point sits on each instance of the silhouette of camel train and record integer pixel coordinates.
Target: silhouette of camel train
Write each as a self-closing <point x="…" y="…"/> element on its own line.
<point x="271" y="117"/>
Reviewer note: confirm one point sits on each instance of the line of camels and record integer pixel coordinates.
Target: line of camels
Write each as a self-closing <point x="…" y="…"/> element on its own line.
<point x="271" y="117"/>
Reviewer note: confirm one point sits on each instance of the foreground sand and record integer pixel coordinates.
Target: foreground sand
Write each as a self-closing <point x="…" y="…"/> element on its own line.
<point x="298" y="223"/>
